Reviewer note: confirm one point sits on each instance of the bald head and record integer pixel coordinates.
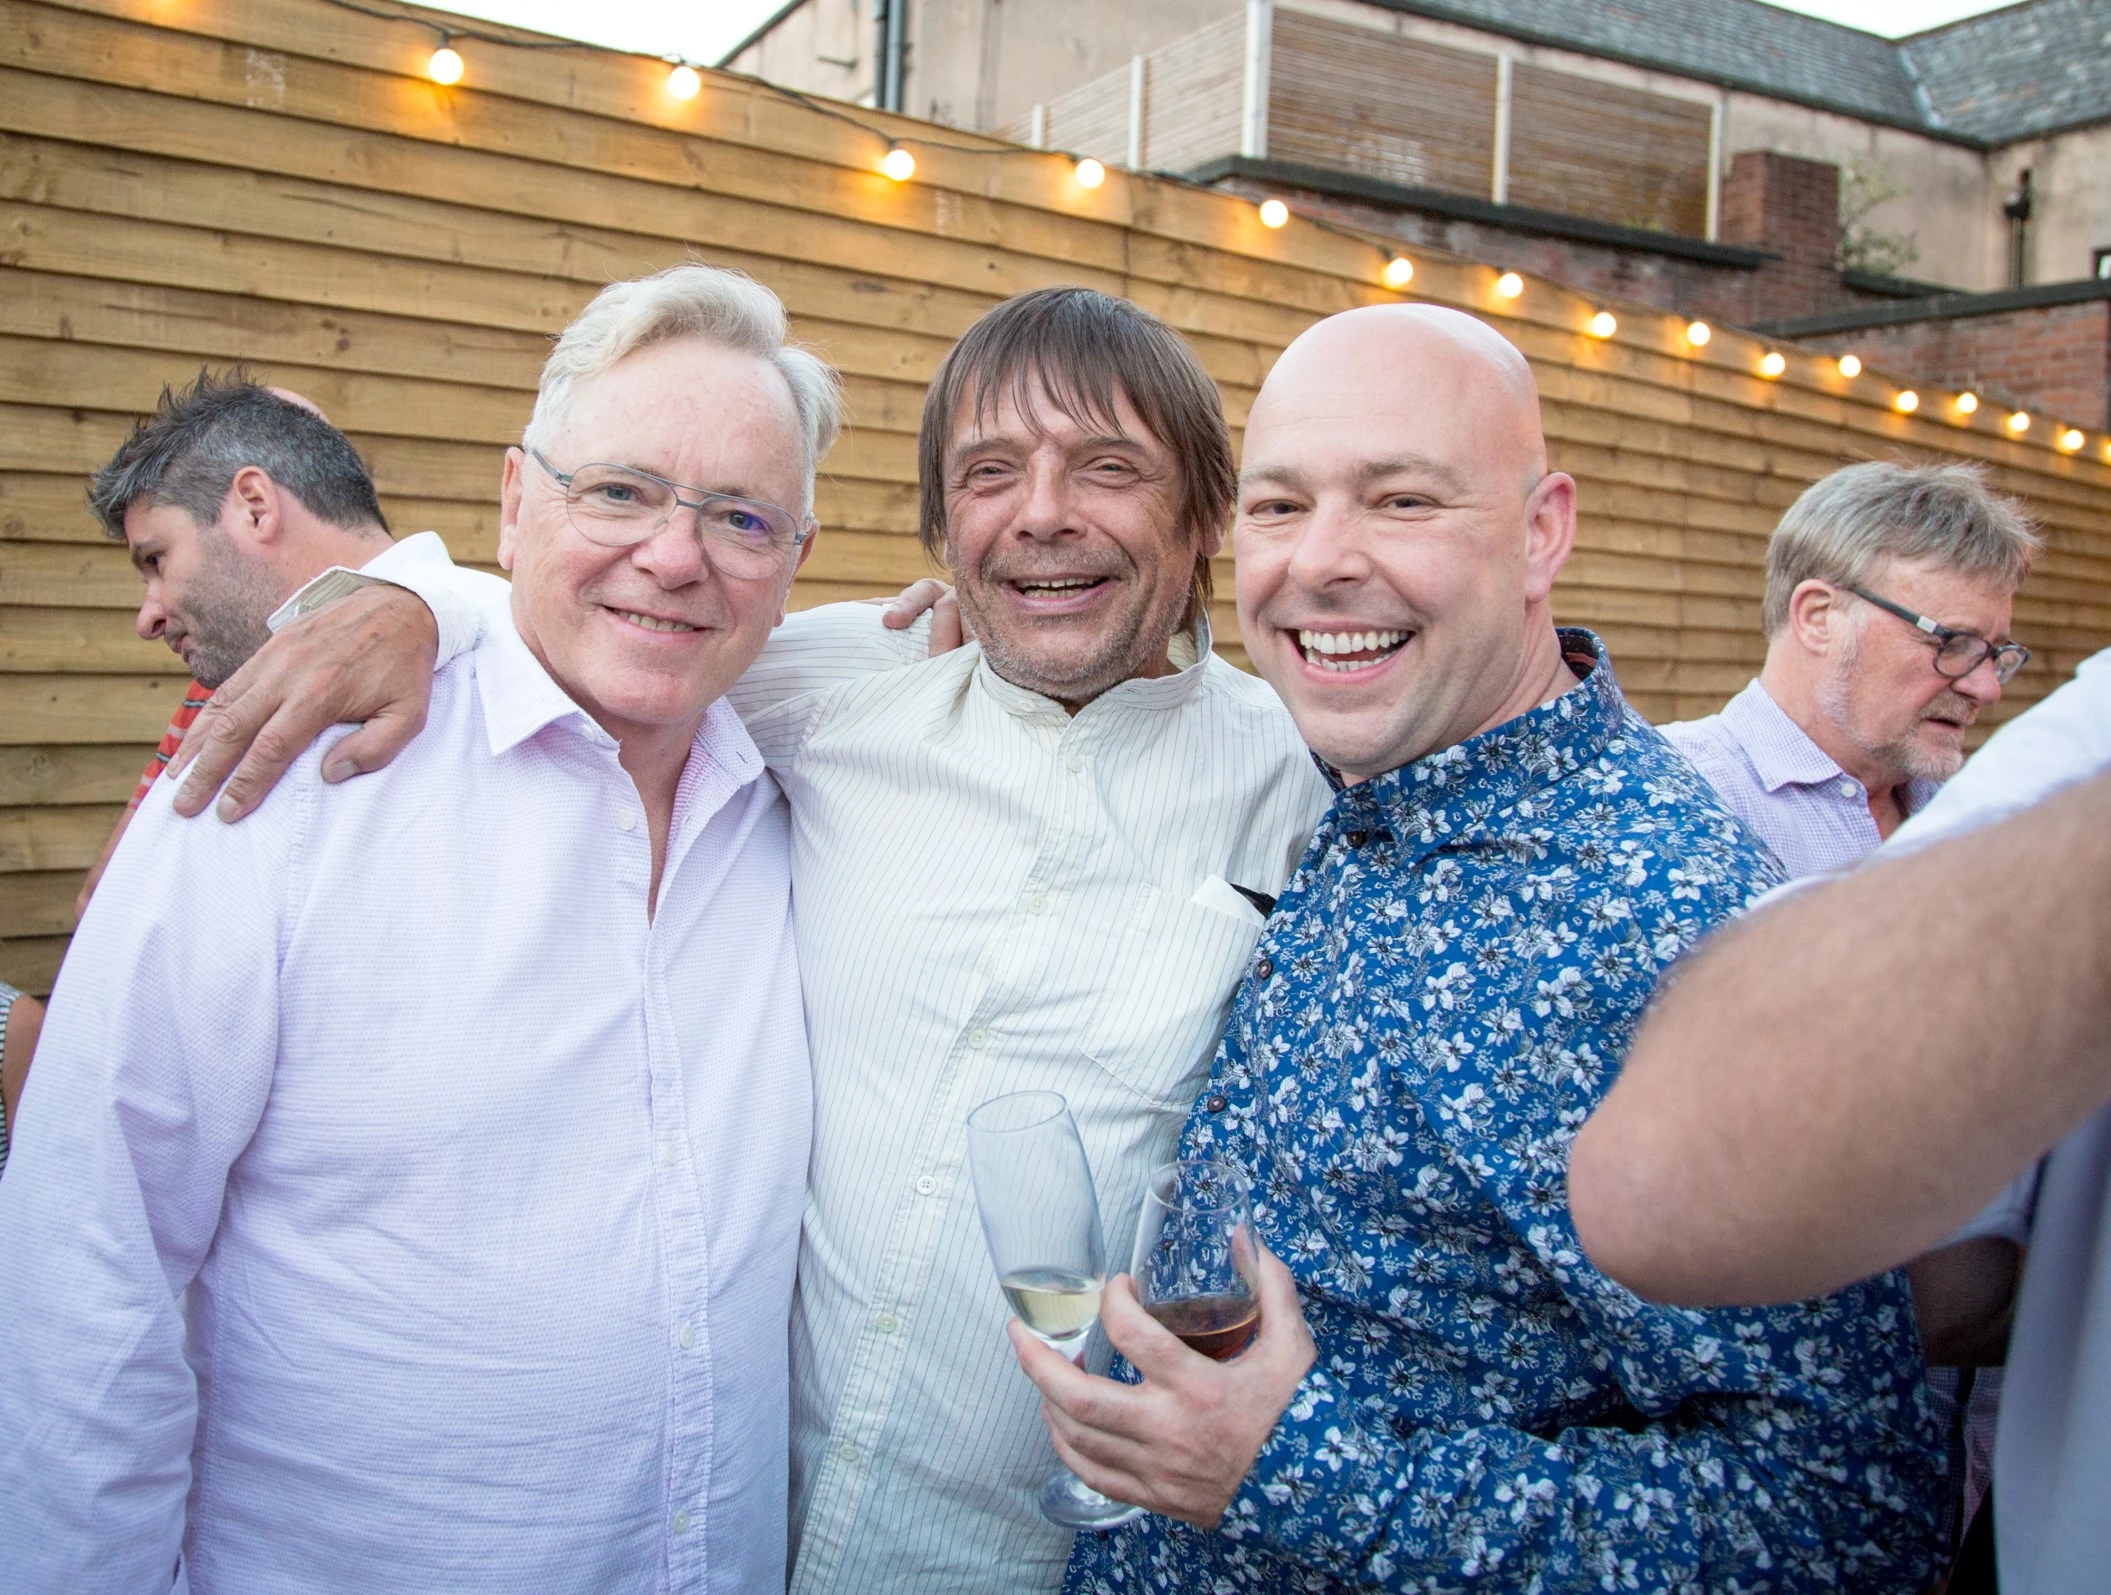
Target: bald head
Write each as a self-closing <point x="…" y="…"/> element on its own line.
<point x="1411" y="359"/>
<point x="1398" y="535"/>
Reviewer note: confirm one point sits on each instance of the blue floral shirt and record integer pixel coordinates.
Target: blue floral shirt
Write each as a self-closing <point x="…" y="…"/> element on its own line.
<point x="1444" y="992"/>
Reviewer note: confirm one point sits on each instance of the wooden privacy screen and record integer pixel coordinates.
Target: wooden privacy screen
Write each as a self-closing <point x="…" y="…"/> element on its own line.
<point x="199" y="181"/>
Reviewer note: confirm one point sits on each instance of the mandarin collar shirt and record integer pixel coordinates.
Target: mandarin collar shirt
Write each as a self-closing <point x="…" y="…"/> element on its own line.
<point x="396" y="1205"/>
<point x="1445" y="991"/>
<point x="994" y="895"/>
<point x="1765" y="767"/>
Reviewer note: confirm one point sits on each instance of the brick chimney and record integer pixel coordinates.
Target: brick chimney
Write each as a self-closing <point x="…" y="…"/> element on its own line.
<point x="1791" y="207"/>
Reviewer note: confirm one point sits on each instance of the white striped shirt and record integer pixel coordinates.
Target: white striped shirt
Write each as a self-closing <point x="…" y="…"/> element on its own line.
<point x="992" y="895"/>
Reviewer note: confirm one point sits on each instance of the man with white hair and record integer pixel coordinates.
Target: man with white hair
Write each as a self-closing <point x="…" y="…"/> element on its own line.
<point x="1888" y="596"/>
<point x="386" y="1217"/>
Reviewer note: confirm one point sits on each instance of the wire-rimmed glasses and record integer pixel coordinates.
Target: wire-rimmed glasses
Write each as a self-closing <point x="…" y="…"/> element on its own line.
<point x="1040" y="1215"/>
<point x="620" y="506"/>
<point x="1957" y="653"/>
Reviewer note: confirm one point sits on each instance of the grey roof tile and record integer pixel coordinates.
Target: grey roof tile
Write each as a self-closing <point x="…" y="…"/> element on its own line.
<point x="2021" y="70"/>
<point x="2002" y="75"/>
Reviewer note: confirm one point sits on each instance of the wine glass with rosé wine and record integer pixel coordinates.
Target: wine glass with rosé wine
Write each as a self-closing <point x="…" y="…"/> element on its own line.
<point x="1196" y="1256"/>
<point x="1040" y="1215"/>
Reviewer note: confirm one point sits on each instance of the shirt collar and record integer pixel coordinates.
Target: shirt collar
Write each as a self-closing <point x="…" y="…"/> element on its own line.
<point x="1781" y="751"/>
<point x="1521" y="757"/>
<point x="520" y="698"/>
<point x="1186" y="652"/>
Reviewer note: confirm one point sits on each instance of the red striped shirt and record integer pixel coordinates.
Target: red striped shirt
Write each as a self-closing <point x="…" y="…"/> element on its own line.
<point x="195" y="698"/>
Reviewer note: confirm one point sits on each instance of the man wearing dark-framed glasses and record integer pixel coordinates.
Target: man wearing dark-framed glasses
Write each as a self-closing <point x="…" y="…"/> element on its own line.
<point x="1889" y="590"/>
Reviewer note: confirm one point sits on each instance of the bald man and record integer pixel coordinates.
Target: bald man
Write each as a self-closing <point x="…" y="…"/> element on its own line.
<point x="1443" y="1392"/>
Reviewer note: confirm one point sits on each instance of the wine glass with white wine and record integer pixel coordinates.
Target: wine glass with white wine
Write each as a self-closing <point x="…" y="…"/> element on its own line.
<point x="1040" y="1215"/>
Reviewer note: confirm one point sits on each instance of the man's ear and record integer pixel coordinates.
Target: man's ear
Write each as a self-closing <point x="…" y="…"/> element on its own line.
<point x="254" y="511"/>
<point x="1815" y="617"/>
<point x="1550" y="532"/>
<point x="510" y="484"/>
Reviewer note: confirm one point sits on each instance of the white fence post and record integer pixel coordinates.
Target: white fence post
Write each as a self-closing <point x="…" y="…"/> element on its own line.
<point x="1260" y="46"/>
<point x="1715" y="171"/>
<point x="1499" y="178"/>
<point x="1139" y="80"/>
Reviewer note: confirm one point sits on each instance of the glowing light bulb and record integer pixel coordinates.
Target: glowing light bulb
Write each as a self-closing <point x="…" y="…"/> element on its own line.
<point x="1773" y="363"/>
<point x="2072" y="439"/>
<point x="1274" y="213"/>
<point x="1698" y="333"/>
<point x="1602" y="325"/>
<point x="1905" y="401"/>
<point x="1967" y="404"/>
<point x="685" y="82"/>
<point x="898" y="164"/>
<point x="2018" y="422"/>
<point x="1850" y="366"/>
<point x="1399" y="272"/>
<point x="1510" y="285"/>
<point x="445" y="65"/>
<point x="1089" y="173"/>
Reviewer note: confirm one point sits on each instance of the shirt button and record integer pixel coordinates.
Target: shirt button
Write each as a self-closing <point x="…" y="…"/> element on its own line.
<point x="978" y="1037"/>
<point x="847" y="1453"/>
<point x="681" y="1521"/>
<point x="1038" y="906"/>
<point x="1263" y="967"/>
<point x="626" y="821"/>
<point x="688" y="1338"/>
<point x="925" y="1185"/>
<point x="886" y="1323"/>
<point x="667" y="1152"/>
<point x="1216" y="1104"/>
<point x="1849" y="789"/>
<point x="1076" y="761"/>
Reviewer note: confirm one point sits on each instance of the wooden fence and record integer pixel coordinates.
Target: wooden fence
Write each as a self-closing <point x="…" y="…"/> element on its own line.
<point x="186" y="182"/>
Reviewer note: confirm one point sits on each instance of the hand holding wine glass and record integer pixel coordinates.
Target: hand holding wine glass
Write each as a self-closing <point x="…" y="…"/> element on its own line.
<point x="1040" y="1215"/>
<point x="1196" y="1257"/>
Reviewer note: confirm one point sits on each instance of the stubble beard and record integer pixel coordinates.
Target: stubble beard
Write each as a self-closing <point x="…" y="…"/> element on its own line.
<point x="1904" y="757"/>
<point x="227" y="610"/>
<point x="1129" y="645"/>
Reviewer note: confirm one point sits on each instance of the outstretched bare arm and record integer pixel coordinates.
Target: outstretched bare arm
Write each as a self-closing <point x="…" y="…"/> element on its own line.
<point x="1837" y="1083"/>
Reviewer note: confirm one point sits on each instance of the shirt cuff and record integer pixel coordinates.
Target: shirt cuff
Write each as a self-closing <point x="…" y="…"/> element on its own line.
<point x="2007" y="1217"/>
<point x="1276" y="1501"/>
<point x="419" y="564"/>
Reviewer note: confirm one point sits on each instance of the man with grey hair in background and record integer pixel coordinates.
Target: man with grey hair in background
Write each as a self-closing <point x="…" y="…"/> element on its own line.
<point x="385" y="1217"/>
<point x="1888" y="598"/>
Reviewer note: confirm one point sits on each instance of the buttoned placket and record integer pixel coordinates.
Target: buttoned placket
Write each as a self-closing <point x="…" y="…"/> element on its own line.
<point x="1002" y="979"/>
<point x="677" y="1190"/>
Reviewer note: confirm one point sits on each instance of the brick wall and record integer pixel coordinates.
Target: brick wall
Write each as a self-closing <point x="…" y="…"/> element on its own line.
<point x="2052" y="360"/>
<point x="1790" y="207"/>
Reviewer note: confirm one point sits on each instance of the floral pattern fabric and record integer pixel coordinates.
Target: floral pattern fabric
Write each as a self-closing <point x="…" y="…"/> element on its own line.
<point x="1444" y="993"/>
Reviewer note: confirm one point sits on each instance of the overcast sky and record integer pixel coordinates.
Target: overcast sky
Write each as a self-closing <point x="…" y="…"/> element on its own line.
<point x="703" y="30"/>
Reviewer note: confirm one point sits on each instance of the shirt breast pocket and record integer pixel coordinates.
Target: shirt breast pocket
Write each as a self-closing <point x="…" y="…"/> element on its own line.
<point x="1168" y="993"/>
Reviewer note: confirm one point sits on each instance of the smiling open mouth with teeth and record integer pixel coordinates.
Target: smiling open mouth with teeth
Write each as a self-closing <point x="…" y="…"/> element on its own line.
<point x="653" y="622"/>
<point x="1056" y="586"/>
<point x="1350" y="650"/>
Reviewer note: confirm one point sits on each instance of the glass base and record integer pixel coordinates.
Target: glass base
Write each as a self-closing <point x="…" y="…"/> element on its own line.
<point x="1068" y="1500"/>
